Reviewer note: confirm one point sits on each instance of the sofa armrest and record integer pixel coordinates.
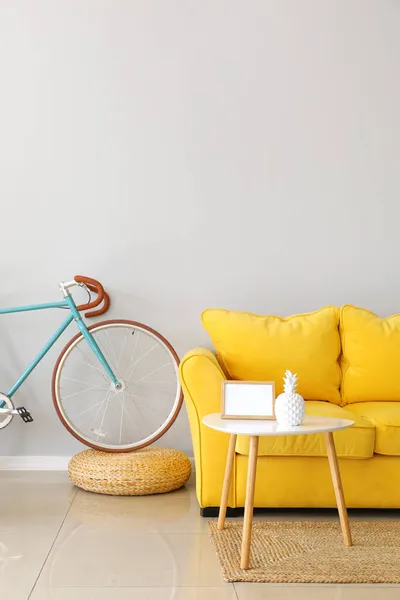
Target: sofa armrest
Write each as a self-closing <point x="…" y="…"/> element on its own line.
<point x="201" y="376"/>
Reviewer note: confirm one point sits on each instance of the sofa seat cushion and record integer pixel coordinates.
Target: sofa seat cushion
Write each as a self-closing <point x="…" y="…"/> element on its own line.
<point x="385" y="417"/>
<point x="261" y="348"/>
<point x="355" y="442"/>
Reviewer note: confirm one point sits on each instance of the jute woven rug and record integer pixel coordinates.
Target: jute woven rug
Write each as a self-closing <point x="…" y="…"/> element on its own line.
<point x="311" y="552"/>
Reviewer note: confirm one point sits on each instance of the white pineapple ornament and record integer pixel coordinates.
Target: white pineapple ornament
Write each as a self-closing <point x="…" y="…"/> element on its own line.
<point x="289" y="406"/>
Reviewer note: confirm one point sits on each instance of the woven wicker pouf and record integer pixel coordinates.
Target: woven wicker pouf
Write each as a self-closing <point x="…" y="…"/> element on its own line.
<point x="151" y="470"/>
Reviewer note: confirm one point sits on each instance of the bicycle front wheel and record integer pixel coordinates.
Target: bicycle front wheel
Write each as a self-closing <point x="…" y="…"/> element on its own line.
<point x="118" y="420"/>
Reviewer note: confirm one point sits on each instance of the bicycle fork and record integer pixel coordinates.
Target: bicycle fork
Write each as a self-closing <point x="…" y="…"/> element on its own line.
<point x="93" y="345"/>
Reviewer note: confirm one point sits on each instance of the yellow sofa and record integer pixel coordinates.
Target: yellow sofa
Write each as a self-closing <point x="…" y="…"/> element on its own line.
<point x="348" y="363"/>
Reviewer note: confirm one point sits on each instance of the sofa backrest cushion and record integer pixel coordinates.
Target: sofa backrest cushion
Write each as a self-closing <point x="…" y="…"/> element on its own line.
<point x="258" y="348"/>
<point x="371" y="356"/>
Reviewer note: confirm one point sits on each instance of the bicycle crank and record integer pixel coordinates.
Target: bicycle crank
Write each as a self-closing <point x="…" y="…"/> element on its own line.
<point x="9" y="411"/>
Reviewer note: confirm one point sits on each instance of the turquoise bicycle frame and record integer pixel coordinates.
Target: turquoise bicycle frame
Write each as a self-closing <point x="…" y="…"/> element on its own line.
<point x="74" y="315"/>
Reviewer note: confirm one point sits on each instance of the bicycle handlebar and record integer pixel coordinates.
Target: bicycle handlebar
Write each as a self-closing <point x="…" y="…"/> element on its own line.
<point x="102" y="296"/>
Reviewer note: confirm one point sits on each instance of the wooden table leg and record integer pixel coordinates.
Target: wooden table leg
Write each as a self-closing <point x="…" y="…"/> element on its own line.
<point x="337" y="485"/>
<point x="248" y="510"/>
<point x="227" y="482"/>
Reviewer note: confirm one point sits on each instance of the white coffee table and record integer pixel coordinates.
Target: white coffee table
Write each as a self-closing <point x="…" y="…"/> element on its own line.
<point x="257" y="428"/>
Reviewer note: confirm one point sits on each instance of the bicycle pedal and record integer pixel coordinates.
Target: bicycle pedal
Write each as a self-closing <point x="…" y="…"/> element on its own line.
<point x="25" y="414"/>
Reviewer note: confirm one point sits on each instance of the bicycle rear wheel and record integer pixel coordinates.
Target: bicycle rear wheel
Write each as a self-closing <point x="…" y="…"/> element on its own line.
<point x="103" y="417"/>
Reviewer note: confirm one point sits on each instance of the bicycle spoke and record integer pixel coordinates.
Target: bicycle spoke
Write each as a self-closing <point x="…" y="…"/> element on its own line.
<point x="151" y="373"/>
<point x="131" y="394"/>
<point x="153" y="382"/>
<point x="139" y="411"/>
<point x="105" y="353"/>
<point x="98" y="412"/>
<point x="141" y="358"/>
<point x="80" y="381"/>
<point x="81" y="391"/>
<point x="89" y="363"/>
<point x="122" y="416"/>
<point x="112" y="349"/>
<point x="130" y="418"/>
<point x="90" y="408"/>
<point x="122" y="350"/>
<point x="151" y="388"/>
<point x="140" y="400"/>
<point x="104" y="414"/>
<point x="134" y="349"/>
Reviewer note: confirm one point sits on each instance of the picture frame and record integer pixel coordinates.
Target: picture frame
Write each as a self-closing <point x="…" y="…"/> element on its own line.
<point x="248" y="400"/>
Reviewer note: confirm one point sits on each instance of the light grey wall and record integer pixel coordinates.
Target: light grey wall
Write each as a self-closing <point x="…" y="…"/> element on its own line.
<point x="233" y="153"/>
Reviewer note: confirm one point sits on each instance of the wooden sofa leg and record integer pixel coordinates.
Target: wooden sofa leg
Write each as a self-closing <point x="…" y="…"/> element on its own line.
<point x="210" y="512"/>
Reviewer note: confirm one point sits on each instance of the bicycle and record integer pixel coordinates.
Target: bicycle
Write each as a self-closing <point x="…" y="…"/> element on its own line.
<point x="122" y="395"/>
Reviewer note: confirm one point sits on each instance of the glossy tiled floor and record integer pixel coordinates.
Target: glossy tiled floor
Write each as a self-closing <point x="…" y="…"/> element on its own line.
<point x="58" y="543"/>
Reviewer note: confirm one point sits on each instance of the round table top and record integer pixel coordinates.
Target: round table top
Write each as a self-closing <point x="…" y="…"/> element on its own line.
<point x="265" y="427"/>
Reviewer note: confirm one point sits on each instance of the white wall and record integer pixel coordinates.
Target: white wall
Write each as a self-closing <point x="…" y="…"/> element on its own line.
<point x="234" y="153"/>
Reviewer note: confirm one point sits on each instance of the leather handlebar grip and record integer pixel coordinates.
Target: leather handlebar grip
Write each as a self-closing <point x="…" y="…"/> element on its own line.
<point x="94" y="286"/>
<point x="104" y="308"/>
